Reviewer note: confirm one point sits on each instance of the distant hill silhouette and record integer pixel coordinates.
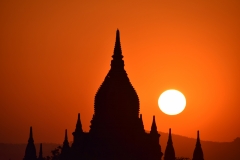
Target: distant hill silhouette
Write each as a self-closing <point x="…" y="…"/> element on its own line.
<point x="183" y="146"/>
<point x="10" y="151"/>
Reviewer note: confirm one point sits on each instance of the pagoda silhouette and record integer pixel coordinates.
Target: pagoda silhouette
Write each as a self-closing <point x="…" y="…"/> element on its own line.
<point x="116" y="129"/>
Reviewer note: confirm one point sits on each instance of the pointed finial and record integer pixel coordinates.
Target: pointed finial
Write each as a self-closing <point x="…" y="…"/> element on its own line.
<point x="169" y="151"/>
<point x="65" y="146"/>
<point x="198" y="138"/>
<point x="65" y="142"/>
<point x="30" y="152"/>
<point x="78" y="125"/>
<point x="78" y="120"/>
<point x="66" y="136"/>
<point x="117" y="42"/>
<point x="117" y="54"/>
<point x="170" y="136"/>
<point x="117" y="61"/>
<point x="40" y="152"/>
<point x="154" y="127"/>
<point x="198" y="152"/>
<point x="30" y="135"/>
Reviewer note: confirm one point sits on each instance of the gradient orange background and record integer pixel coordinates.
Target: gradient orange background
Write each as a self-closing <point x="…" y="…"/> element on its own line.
<point x="55" y="54"/>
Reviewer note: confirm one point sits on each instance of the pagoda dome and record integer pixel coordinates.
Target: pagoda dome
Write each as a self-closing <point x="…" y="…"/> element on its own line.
<point x="116" y="99"/>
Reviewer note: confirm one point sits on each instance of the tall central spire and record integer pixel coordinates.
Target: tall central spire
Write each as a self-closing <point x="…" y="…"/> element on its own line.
<point x="117" y="56"/>
<point x="116" y="99"/>
<point x="117" y="49"/>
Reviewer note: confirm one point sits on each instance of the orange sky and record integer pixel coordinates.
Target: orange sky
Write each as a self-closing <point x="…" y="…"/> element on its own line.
<point x="55" y="54"/>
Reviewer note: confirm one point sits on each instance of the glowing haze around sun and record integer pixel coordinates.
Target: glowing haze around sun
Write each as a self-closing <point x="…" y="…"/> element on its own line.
<point x="172" y="102"/>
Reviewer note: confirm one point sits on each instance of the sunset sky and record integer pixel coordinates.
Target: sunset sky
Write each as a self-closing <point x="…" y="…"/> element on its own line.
<point x="55" y="54"/>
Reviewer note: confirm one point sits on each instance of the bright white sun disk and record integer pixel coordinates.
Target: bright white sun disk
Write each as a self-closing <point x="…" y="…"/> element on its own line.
<point x="172" y="102"/>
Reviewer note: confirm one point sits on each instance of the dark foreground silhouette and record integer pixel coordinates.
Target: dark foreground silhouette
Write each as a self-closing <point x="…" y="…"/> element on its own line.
<point x="183" y="146"/>
<point x="116" y="130"/>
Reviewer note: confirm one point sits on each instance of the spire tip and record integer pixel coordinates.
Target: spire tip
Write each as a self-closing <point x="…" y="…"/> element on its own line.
<point x="66" y="137"/>
<point x="30" y="132"/>
<point x="40" y="152"/>
<point x="117" y="62"/>
<point x="78" y="124"/>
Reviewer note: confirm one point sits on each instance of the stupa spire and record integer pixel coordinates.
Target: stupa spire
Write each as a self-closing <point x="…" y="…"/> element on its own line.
<point x="170" y="136"/>
<point x="66" y="137"/>
<point x="65" y="152"/>
<point x="198" y="138"/>
<point x="154" y="127"/>
<point x="117" y="62"/>
<point x="169" y="151"/>
<point x="117" y="48"/>
<point x="78" y="133"/>
<point x="40" y="157"/>
<point x="30" y="152"/>
<point x="78" y="125"/>
<point x="198" y="153"/>
<point x="30" y="139"/>
<point x="115" y="98"/>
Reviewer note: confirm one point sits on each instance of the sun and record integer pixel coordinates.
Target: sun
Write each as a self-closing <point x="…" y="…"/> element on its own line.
<point x="172" y="102"/>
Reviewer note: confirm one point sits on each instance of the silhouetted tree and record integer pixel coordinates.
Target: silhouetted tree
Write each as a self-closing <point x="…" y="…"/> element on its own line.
<point x="55" y="154"/>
